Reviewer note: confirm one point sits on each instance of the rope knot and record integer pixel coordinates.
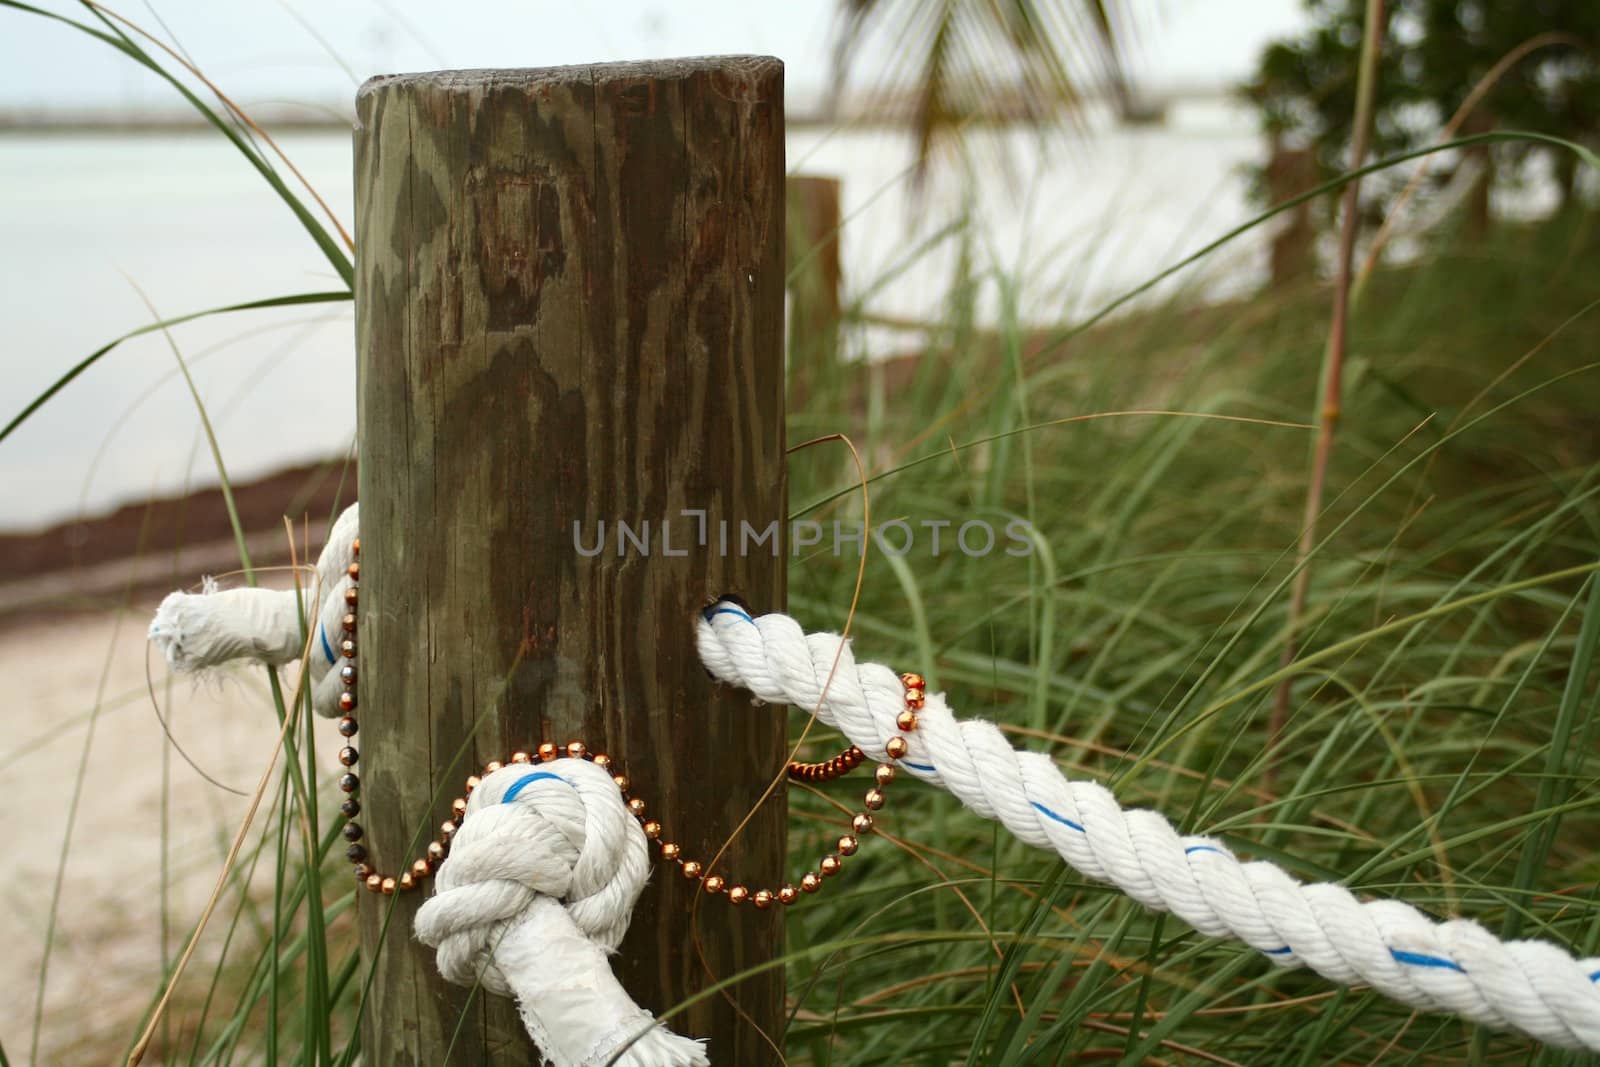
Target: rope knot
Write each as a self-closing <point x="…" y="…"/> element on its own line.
<point x="557" y="830"/>
<point x="538" y="888"/>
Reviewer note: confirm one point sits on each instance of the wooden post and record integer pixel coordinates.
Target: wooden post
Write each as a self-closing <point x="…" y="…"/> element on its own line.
<point x="815" y="280"/>
<point x="1290" y="172"/>
<point x="569" y="312"/>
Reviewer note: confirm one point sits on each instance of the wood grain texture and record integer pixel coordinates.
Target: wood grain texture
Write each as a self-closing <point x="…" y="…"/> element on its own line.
<point x="569" y="311"/>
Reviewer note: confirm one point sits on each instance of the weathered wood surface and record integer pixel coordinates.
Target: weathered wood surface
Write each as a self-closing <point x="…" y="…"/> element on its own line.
<point x="569" y="309"/>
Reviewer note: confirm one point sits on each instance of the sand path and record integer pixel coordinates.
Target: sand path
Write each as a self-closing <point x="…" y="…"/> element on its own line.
<point x="108" y="946"/>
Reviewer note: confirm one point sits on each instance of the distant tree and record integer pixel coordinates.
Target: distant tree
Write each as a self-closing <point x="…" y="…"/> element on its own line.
<point x="1435" y="53"/>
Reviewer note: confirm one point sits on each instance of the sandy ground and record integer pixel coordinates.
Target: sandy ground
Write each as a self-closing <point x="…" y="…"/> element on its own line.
<point x="73" y="691"/>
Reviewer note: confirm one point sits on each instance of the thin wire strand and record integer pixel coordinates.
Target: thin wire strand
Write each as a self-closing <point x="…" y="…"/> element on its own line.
<point x="289" y="720"/>
<point x="782" y="774"/>
<point x="238" y="112"/>
<point x="155" y="706"/>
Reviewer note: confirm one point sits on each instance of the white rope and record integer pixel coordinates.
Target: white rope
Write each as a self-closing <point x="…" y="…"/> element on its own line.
<point x="1455" y="966"/>
<point x="201" y="631"/>
<point x="543" y="872"/>
<point x="539" y="886"/>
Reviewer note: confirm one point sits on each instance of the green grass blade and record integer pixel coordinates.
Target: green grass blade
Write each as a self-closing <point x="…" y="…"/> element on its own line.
<point x="94" y="357"/>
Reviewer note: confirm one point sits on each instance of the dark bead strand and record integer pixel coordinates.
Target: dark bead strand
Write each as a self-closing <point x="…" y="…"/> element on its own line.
<point x="348" y="727"/>
<point x="349" y="756"/>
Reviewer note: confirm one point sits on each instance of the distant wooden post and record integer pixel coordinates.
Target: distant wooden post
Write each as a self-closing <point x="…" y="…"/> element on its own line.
<point x="569" y="311"/>
<point x="815" y="281"/>
<point x="1290" y="172"/>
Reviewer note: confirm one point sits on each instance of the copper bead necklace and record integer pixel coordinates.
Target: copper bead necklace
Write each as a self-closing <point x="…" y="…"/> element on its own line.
<point x="694" y="870"/>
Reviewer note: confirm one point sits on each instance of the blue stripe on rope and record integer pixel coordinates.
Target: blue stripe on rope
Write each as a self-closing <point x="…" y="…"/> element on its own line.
<point x="1058" y="818"/>
<point x="719" y="609"/>
<point x="1418" y="959"/>
<point x="327" y="649"/>
<point x="724" y="609"/>
<point x="1415" y="959"/>
<point x="526" y="780"/>
<point x="1285" y="950"/>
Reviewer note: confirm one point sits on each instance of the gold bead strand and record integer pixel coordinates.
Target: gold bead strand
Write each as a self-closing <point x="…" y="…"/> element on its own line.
<point x="812" y="881"/>
<point x="828" y="769"/>
<point x="876" y="797"/>
<point x="437" y="851"/>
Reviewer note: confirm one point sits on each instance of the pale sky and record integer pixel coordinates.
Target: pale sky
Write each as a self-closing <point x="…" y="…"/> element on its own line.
<point x="270" y="51"/>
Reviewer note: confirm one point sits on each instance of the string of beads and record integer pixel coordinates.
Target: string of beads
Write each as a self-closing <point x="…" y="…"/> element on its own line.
<point x="350" y="782"/>
<point x="826" y="770"/>
<point x="349" y="755"/>
<point x="853" y="757"/>
<point x="714" y="884"/>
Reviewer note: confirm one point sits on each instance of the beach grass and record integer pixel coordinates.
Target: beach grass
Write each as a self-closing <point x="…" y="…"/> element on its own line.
<point x="1442" y="745"/>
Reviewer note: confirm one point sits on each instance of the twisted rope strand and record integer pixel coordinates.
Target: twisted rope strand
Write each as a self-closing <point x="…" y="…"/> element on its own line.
<point x="546" y="867"/>
<point x="1455" y="966"/>
<point x="201" y="631"/>
<point x="539" y="887"/>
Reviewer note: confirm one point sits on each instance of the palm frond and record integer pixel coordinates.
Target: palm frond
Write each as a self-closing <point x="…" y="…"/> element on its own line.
<point x="952" y="63"/>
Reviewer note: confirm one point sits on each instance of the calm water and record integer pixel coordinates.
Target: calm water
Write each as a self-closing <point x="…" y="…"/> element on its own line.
<point x="88" y="223"/>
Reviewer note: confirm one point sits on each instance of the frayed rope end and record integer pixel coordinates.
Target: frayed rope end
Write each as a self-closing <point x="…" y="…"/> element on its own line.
<point x="206" y="629"/>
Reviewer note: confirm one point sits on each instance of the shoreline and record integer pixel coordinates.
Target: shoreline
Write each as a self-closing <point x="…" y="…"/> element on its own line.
<point x="90" y="565"/>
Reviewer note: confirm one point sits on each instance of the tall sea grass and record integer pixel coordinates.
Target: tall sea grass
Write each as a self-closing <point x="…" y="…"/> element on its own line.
<point x="1441" y="743"/>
